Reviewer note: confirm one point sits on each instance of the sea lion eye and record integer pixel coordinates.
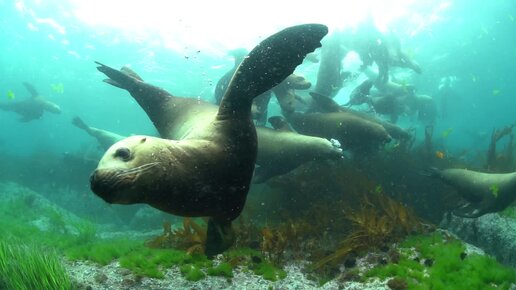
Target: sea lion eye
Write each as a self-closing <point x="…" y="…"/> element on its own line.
<point x="123" y="153"/>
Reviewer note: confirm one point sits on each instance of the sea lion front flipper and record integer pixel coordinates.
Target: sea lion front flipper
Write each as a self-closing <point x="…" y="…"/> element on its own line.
<point x="118" y="78"/>
<point x="475" y="209"/>
<point x="469" y="210"/>
<point x="31" y="89"/>
<point x="325" y="103"/>
<point x="130" y="72"/>
<point x="279" y="123"/>
<point x="219" y="237"/>
<point x="267" y="65"/>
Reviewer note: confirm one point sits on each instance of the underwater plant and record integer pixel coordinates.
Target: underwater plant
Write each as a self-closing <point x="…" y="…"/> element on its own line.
<point x="191" y="238"/>
<point x="24" y="266"/>
<point x="380" y="220"/>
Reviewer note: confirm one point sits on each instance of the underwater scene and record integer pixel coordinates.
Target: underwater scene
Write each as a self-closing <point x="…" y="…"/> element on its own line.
<point x="257" y="145"/>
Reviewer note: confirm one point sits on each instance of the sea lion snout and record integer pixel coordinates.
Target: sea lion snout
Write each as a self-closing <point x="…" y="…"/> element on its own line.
<point x="103" y="183"/>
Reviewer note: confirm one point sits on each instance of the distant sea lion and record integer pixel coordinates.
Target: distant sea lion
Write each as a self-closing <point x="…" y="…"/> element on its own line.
<point x="208" y="170"/>
<point x="104" y="138"/>
<point x="33" y="108"/>
<point x="223" y="82"/>
<point x="360" y="94"/>
<point x="330" y="75"/>
<point x="485" y="192"/>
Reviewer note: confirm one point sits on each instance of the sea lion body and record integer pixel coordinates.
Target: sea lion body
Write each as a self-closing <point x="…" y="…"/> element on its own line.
<point x="33" y="108"/>
<point x="354" y="133"/>
<point x="485" y="192"/>
<point x="209" y="170"/>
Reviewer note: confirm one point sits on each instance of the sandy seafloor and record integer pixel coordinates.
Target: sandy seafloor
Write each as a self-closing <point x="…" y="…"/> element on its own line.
<point x="92" y="276"/>
<point x="88" y="275"/>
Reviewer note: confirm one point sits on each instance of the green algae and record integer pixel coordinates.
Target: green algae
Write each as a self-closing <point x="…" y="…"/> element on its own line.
<point x="26" y="266"/>
<point x="451" y="268"/>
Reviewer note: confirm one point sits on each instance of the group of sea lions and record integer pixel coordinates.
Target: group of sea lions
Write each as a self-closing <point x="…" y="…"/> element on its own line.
<point x="204" y="161"/>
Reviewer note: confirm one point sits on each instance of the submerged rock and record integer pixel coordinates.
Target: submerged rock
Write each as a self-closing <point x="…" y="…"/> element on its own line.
<point x="493" y="233"/>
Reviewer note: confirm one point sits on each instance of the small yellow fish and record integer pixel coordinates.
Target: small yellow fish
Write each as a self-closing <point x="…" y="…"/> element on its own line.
<point x="496" y="92"/>
<point x="58" y="88"/>
<point x="10" y="95"/>
<point x="447" y="132"/>
<point x="494" y="190"/>
<point x="439" y="154"/>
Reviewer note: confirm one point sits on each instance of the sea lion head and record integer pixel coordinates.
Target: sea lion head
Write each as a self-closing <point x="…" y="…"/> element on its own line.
<point x="51" y="107"/>
<point x="297" y="82"/>
<point x="128" y="170"/>
<point x="286" y="91"/>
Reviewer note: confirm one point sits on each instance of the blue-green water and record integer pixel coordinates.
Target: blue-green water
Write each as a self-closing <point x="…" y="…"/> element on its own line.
<point x="52" y="44"/>
<point x="472" y="41"/>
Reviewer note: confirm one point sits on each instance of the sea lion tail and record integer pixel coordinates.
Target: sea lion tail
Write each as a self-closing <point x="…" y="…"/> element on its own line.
<point x="125" y="79"/>
<point x="219" y="237"/>
<point x="268" y="64"/>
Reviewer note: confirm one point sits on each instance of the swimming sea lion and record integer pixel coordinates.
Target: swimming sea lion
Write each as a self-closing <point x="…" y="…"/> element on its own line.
<point x="281" y="150"/>
<point x="328" y="105"/>
<point x="104" y="138"/>
<point x="32" y="108"/>
<point x="485" y="192"/>
<point x="355" y="133"/>
<point x="207" y="171"/>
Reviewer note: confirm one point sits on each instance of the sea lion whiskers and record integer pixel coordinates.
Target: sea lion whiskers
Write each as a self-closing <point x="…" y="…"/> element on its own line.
<point x="137" y="170"/>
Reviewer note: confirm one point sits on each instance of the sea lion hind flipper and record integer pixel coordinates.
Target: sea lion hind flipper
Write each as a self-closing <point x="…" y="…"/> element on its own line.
<point x="31" y="89"/>
<point x="429" y="172"/>
<point x="469" y="210"/>
<point x="117" y="78"/>
<point x="219" y="237"/>
<point x="78" y="122"/>
<point x="268" y="64"/>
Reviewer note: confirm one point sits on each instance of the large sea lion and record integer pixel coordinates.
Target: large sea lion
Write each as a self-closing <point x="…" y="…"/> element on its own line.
<point x="484" y="192"/>
<point x="33" y="108"/>
<point x="208" y="169"/>
<point x="104" y="138"/>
